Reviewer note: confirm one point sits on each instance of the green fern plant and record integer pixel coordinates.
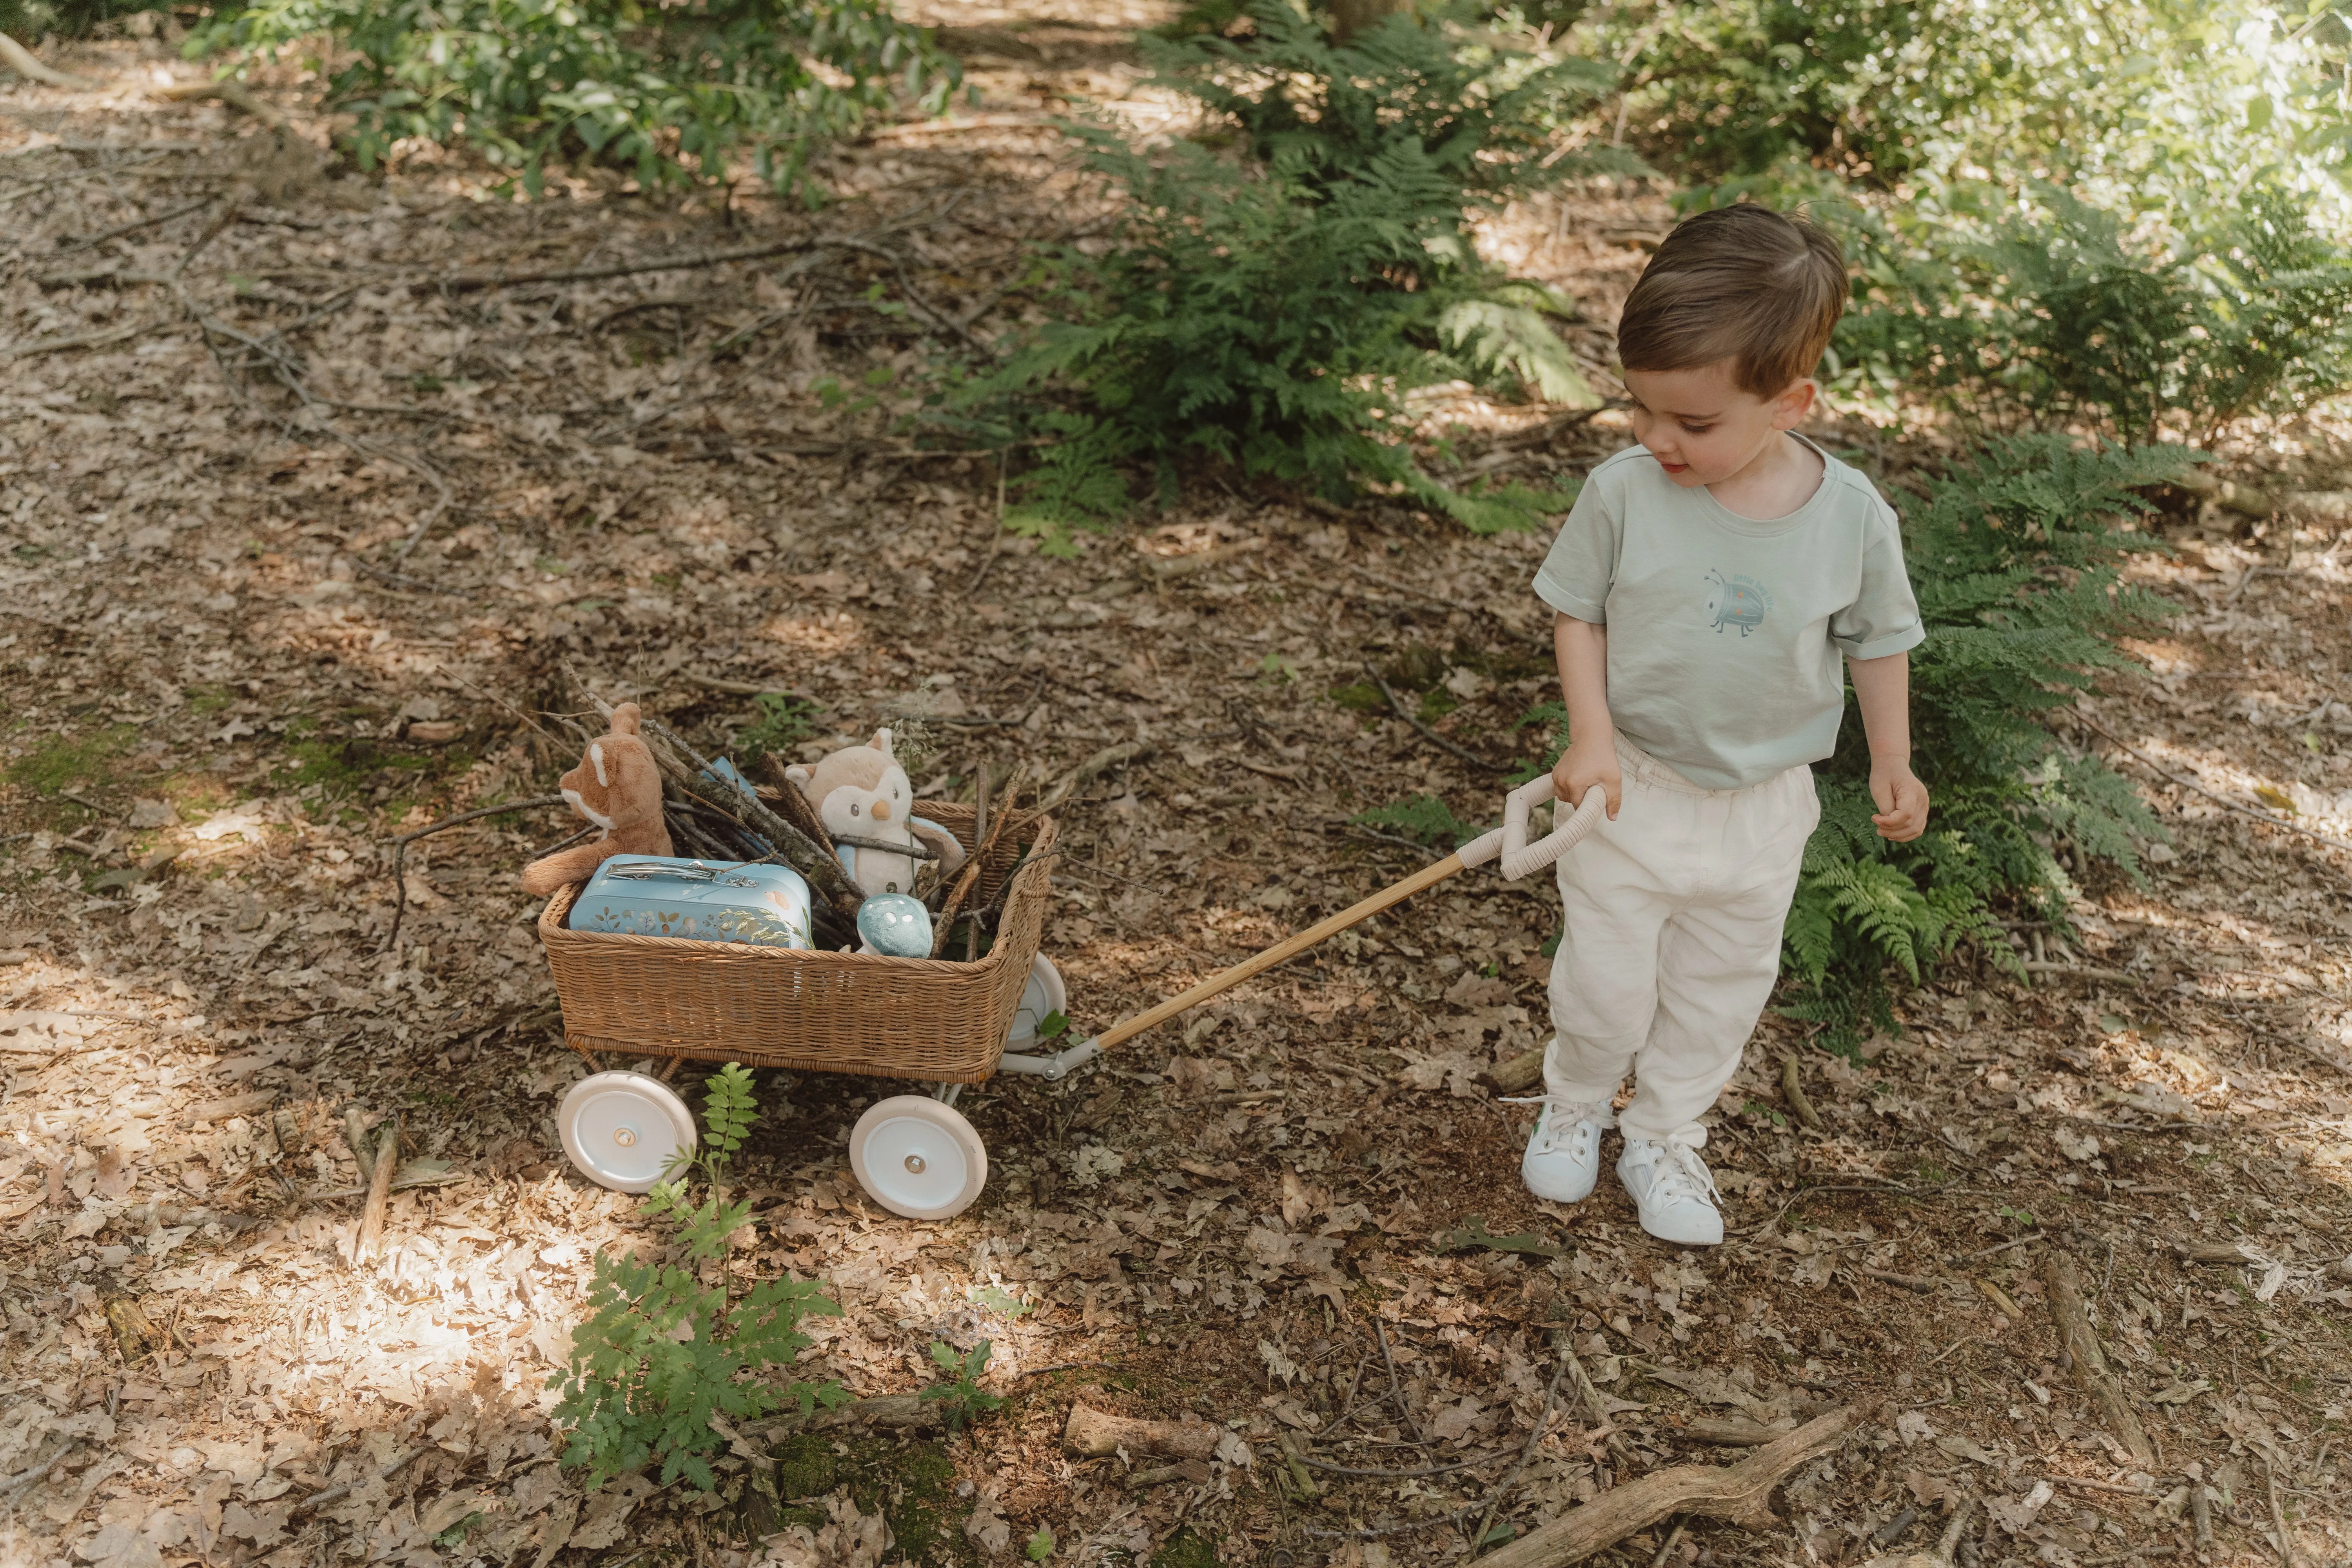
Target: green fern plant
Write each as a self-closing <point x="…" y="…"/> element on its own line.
<point x="662" y="1355"/>
<point x="2014" y="556"/>
<point x="1281" y="284"/>
<point x="1424" y="818"/>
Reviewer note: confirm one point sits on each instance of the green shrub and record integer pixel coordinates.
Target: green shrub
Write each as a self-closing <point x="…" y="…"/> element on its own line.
<point x="677" y="93"/>
<point x="2065" y="317"/>
<point x="1282" y="284"/>
<point x="2014" y="557"/>
<point x="660" y="1353"/>
<point x="2160" y="104"/>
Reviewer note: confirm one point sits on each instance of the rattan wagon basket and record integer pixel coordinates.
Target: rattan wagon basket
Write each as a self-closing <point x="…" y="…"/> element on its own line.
<point x="811" y="1011"/>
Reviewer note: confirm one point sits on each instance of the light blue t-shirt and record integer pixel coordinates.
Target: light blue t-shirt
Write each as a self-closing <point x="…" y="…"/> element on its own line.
<point x="1724" y="633"/>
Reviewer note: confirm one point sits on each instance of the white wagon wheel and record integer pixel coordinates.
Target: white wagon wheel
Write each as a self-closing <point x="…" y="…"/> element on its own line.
<point x="1042" y="995"/>
<point x="626" y="1131"/>
<point x="917" y="1157"/>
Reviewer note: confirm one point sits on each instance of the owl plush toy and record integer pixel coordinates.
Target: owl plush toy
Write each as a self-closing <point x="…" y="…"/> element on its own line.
<point x="862" y="796"/>
<point x="617" y="786"/>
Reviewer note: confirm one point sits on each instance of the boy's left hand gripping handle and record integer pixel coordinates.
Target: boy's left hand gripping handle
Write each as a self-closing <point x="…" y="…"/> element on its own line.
<point x="1509" y="842"/>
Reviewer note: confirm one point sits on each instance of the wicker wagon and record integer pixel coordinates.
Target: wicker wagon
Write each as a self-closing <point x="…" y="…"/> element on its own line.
<point x="941" y="1021"/>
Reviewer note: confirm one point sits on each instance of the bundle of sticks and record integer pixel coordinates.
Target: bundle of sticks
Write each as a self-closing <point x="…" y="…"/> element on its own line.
<point x="714" y="813"/>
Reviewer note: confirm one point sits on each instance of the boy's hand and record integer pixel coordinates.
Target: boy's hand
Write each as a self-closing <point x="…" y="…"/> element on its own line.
<point x="1902" y="802"/>
<point x="1588" y="763"/>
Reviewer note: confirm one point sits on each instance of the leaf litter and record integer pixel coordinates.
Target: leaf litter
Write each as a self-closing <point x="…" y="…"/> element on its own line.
<point x="258" y="633"/>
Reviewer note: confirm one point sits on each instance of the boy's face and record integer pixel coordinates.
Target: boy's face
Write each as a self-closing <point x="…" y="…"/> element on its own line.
<point x="1702" y="427"/>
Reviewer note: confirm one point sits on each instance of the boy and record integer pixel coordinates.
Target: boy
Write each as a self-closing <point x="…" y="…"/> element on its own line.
<point x="1705" y="586"/>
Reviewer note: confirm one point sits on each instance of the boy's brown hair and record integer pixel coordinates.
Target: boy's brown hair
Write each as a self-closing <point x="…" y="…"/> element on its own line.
<point x="1744" y="283"/>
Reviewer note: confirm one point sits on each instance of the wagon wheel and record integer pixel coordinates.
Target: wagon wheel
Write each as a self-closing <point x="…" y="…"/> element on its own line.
<point x="1041" y="997"/>
<point x="624" y="1130"/>
<point x="917" y="1157"/>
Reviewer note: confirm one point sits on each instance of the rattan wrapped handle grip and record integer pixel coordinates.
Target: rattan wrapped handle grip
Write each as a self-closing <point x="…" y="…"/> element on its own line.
<point x="1509" y="843"/>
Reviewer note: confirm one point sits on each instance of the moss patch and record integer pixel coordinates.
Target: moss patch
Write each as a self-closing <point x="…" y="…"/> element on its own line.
<point x="66" y="762"/>
<point x="912" y="1483"/>
<point x="1188" y="1548"/>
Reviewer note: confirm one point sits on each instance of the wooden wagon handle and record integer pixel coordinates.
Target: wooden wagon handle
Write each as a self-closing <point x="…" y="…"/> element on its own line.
<point x="1508" y="843"/>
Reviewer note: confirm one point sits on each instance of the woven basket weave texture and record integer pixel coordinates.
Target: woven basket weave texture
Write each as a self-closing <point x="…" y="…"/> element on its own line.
<point x="811" y="1011"/>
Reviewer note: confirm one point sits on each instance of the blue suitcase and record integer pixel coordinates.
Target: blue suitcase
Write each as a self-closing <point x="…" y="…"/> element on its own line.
<point x="699" y="900"/>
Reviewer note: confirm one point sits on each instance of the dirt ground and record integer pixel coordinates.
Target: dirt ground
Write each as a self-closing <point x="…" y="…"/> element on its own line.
<point x="316" y="490"/>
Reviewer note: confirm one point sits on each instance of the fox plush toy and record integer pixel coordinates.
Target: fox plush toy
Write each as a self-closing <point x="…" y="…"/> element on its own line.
<point x="862" y="796"/>
<point x="617" y="786"/>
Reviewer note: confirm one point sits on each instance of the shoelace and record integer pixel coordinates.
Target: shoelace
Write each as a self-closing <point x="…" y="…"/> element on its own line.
<point x="1562" y="1121"/>
<point x="1682" y="1174"/>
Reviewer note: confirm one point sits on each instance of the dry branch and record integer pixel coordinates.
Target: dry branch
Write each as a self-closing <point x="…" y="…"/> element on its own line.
<point x="2221" y="800"/>
<point x="1094" y="1433"/>
<point x="18" y="59"/>
<point x="1520" y="1072"/>
<point x="1740" y="1493"/>
<point x="1792" y="1089"/>
<point x="387" y="1161"/>
<point x="1396" y="705"/>
<point x="2081" y="1345"/>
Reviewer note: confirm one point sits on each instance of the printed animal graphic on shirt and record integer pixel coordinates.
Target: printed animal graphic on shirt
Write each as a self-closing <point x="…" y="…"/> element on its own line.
<point x="1737" y="600"/>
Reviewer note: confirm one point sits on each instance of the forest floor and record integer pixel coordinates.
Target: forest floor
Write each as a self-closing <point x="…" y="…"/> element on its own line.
<point x="314" y="487"/>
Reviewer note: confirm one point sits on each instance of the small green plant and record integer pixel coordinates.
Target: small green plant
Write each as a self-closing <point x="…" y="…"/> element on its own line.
<point x="704" y="90"/>
<point x="1041" y="1545"/>
<point x="662" y="1353"/>
<point x="1424" y="818"/>
<point x="2025" y="1217"/>
<point x="963" y="1400"/>
<point x="1053" y="1026"/>
<point x="784" y="722"/>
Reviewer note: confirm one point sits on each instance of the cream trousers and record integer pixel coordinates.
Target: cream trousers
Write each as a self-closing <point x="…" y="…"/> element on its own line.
<point x="1673" y="941"/>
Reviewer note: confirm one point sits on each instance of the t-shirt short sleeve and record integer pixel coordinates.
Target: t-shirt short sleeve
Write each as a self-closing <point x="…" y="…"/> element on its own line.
<point x="1575" y="576"/>
<point x="1883" y="618"/>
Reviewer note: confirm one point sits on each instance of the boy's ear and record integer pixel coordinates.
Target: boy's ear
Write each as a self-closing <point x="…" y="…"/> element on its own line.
<point x="1795" y="406"/>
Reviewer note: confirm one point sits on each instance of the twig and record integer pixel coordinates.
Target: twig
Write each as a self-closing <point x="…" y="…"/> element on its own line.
<point x="1457" y="1517"/>
<point x="16" y="1486"/>
<point x="1792" y="1089"/>
<point x="1396" y="1388"/>
<point x="499" y="278"/>
<point x="2278" y="1514"/>
<point x="355" y="1138"/>
<point x="83" y="242"/>
<point x="1666" y="1547"/>
<point x="2220" y="800"/>
<point x="1502" y="1491"/>
<point x="1403" y="1475"/>
<point x="2081" y="1345"/>
<point x="1102" y="761"/>
<point x="84" y="339"/>
<point x="336" y="1494"/>
<point x="400" y="853"/>
<point x="996" y="535"/>
<point x="387" y="1160"/>
<point x="2083" y="971"/>
<point x="1740" y="1493"/>
<point x="1396" y="705"/>
<point x="18" y="59"/>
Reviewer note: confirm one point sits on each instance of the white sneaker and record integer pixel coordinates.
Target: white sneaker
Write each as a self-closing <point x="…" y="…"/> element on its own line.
<point x="1563" y="1157"/>
<point x="1674" y="1191"/>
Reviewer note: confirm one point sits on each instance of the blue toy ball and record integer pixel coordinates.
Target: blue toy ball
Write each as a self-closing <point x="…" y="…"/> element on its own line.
<point x="896" y="925"/>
